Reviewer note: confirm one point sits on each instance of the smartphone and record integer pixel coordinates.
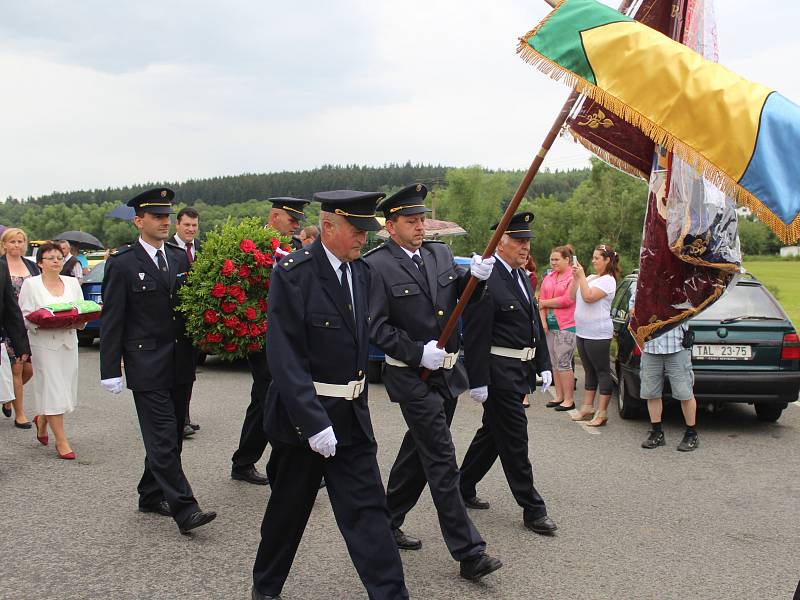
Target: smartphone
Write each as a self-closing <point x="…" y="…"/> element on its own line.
<point x="574" y="260"/>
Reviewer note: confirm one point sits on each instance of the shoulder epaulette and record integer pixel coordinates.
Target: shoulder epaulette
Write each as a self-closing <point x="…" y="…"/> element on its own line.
<point x="290" y="261"/>
<point x="121" y="250"/>
<point x="173" y="244"/>
<point x="381" y="247"/>
<point x="433" y="242"/>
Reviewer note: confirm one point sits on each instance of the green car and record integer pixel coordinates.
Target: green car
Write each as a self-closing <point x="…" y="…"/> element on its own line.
<point x="745" y="350"/>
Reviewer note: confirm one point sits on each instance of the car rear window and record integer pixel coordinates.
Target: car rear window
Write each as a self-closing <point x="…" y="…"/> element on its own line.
<point x="96" y="274"/>
<point x="744" y="300"/>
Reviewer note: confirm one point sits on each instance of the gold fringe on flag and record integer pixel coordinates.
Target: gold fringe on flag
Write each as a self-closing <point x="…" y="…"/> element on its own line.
<point x="606" y="156"/>
<point x="787" y="233"/>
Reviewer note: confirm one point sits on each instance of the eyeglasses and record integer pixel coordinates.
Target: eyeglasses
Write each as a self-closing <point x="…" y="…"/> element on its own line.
<point x="54" y="258"/>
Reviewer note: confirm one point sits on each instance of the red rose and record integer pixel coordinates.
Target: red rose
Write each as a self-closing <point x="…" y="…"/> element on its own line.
<point x="241" y="330"/>
<point x="214" y="337"/>
<point x="254" y="329"/>
<point x="210" y="316"/>
<point x="230" y="347"/>
<point x="218" y="291"/>
<point x="231" y="322"/>
<point x="275" y="243"/>
<point x="262" y="305"/>
<point x="266" y="284"/>
<point x="254" y="279"/>
<point x="228" y="268"/>
<point x="247" y="246"/>
<point x="244" y="271"/>
<point x="264" y="326"/>
<point x="234" y="291"/>
<point x="287" y="247"/>
<point x="251" y="313"/>
<point x="254" y="347"/>
<point x="228" y="307"/>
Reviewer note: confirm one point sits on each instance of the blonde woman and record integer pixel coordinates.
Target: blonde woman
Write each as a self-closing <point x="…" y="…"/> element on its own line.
<point x="54" y="351"/>
<point x="13" y="243"/>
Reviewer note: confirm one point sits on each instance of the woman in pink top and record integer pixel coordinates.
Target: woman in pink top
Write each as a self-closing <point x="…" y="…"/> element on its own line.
<point x="557" y="309"/>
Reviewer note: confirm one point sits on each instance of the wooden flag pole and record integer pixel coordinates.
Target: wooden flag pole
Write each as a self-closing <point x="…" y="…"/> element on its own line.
<point x="514" y="204"/>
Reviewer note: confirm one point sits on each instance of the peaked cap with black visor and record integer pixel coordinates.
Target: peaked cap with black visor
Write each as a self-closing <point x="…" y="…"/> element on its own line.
<point x="157" y="201"/>
<point x="293" y="206"/>
<point x="519" y="226"/>
<point x="408" y="201"/>
<point x="357" y="207"/>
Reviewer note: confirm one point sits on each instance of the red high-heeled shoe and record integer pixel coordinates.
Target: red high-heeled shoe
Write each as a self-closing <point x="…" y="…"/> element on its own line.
<point x="43" y="439"/>
<point x="67" y="456"/>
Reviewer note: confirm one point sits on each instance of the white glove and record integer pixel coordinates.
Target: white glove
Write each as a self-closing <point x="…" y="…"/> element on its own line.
<point x="481" y="268"/>
<point x="547" y="379"/>
<point x="432" y="357"/>
<point x="479" y="394"/>
<point x="323" y="442"/>
<point x="113" y="385"/>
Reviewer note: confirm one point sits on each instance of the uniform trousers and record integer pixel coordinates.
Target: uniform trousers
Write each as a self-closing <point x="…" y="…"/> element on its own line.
<point x="359" y="504"/>
<point x="253" y="441"/>
<point x="161" y="419"/>
<point x="427" y="456"/>
<point x="504" y="433"/>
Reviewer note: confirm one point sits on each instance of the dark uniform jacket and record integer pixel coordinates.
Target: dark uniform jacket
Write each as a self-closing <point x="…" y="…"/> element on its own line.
<point x="196" y="244"/>
<point x="404" y="316"/>
<point x="312" y="336"/>
<point x="12" y="323"/>
<point x="504" y="317"/>
<point x="141" y="323"/>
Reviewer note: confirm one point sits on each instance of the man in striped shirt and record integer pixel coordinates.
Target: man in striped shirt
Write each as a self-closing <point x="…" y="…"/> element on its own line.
<point x="666" y="357"/>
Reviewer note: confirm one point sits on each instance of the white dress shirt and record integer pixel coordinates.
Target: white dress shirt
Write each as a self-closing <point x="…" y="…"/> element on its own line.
<point x="152" y="250"/>
<point x="335" y="262"/>
<point x="182" y="244"/>
<point x="519" y="278"/>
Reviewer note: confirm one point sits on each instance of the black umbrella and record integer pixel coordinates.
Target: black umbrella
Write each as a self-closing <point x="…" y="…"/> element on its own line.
<point x="83" y="239"/>
<point x="123" y="211"/>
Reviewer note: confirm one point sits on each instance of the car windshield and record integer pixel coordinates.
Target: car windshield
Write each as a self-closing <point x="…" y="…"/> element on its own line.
<point x="96" y="274"/>
<point x="744" y="301"/>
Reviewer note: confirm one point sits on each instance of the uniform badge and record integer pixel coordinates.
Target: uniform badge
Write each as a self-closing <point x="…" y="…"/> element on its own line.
<point x="141" y="276"/>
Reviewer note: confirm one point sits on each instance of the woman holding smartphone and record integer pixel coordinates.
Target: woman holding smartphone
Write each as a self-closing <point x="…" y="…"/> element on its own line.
<point x="594" y="329"/>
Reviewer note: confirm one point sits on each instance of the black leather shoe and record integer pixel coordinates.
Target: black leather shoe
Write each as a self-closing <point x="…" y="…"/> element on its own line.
<point x="543" y="525"/>
<point x="162" y="508"/>
<point x="553" y="404"/>
<point x="25" y="425"/>
<point x="197" y="519"/>
<point x="406" y="542"/>
<point x="476" y="503"/>
<point x="193" y="425"/>
<point x="479" y="567"/>
<point x="562" y="408"/>
<point x="187" y="431"/>
<point x="654" y="440"/>
<point x="6" y="411"/>
<point x="256" y="595"/>
<point x="250" y="475"/>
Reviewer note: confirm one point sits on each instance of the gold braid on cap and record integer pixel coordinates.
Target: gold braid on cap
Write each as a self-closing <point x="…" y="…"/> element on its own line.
<point x="299" y="212"/>
<point x="517" y="230"/>
<point x="396" y="208"/>
<point x="143" y="204"/>
<point x="339" y="211"/>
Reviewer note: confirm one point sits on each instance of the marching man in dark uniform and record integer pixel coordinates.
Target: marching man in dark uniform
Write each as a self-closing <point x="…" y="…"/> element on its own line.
<point x="415" y="287"/>
<point x="142" y="326"/>
<point x="316" y="413"/>
<point x="504" y="348"/>
<point x="284" y="216"/>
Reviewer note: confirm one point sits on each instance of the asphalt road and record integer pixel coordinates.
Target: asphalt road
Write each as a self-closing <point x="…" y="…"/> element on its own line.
<point x="720" y="522"/>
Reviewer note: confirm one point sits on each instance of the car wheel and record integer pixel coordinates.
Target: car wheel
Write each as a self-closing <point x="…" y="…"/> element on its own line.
<point x="85" y="340"/>
<point x="628" y="406"/>
<point x="769" y="412"/>
<point x="374" y="371"/>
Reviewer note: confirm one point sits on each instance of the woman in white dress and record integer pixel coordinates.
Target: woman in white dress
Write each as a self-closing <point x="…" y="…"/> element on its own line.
<point x="54" y="352"/>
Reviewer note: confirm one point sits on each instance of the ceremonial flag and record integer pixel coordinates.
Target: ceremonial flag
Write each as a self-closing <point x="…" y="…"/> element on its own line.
<point x="741" y="135"/>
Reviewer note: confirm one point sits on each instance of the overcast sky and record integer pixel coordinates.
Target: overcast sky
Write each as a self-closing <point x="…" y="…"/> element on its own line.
<point x="98" y="93"/>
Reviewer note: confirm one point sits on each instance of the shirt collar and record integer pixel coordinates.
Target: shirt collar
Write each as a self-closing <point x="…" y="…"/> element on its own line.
<point x="409" y="252"/>
<point x="504" y="263"/>
<point x="151" y="250"/>
<point x="335" y="262"/>
<point x="180" y="242"/>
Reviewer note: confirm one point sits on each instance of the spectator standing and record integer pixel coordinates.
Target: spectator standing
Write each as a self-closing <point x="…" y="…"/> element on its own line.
<point x="13" y="243"/>
<point x="668" y="357"/>
<point x="75" y="251"/>
<point x="308" y="235"/>
<point x="186" y="227"/>
<point x="71" y="267"/>
<point x="530" y="268"/>
<point x="593" y="328"/>
<point x="55" y="350"/>
<point x="557" y="310"/>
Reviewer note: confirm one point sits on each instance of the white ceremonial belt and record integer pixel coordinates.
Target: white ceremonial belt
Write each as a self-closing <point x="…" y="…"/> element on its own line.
<point x="449" y="361"/>
<point x="348" y="391"/>
<point x="523" y="354"/>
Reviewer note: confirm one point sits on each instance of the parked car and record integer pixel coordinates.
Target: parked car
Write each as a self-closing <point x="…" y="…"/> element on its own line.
<point x="745" y="350"/>
<point x="92" y="284"/>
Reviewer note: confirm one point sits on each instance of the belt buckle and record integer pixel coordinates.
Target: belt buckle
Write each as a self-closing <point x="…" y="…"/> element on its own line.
<point x="358" y="387"/>
<point x="447" y="363"/>
<point x="530" y="353"/>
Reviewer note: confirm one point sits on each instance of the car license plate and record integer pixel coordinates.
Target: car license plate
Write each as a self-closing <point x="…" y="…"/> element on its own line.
<point x="721" y="352"/>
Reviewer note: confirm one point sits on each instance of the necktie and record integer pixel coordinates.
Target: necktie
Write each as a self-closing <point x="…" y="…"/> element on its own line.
<point x="162" y="266"/>
<point x="421" y="266"/>
<point x="348" y="298"/>
<point x="189" y="252"/>
<point x="519" y="281"/>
